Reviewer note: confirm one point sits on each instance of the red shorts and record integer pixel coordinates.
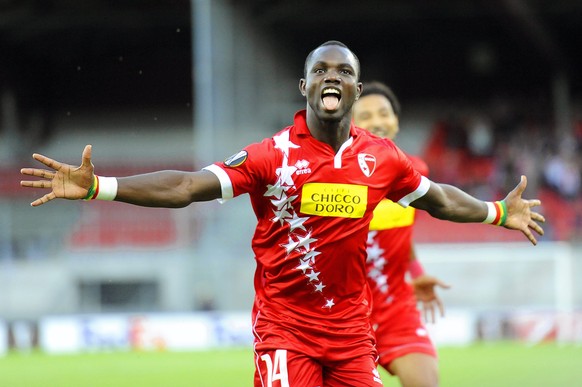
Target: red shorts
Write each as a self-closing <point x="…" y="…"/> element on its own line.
<point x="283" y="368"/>
<point x="291" y="355"/>
<point x="400" y="332"/>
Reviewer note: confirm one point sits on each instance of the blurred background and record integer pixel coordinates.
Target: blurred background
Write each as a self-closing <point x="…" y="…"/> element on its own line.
<point x="490" y="90"/>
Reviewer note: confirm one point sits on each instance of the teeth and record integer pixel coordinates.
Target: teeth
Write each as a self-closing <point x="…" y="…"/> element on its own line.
<point x="330" y="91"/>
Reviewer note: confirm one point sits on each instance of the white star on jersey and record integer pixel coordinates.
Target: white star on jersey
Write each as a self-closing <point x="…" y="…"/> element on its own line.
<point x="304" y="266"/>
<point x="296" y="222"/>
<point x="329" y="303"/>
<point x="284" y="213"/>
<point x="376" y="258"/>
<point x="313" y="276"/>
<point x="282" y="142"/>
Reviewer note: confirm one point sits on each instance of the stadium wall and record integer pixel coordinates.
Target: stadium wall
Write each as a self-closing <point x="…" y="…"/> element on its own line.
<point x="485" y="277"/>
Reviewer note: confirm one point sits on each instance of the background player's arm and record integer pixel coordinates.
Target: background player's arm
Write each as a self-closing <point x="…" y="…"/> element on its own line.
<point x="447" y="202"/>
<point x="425" y="289"/>
<point x="157" y="189"/>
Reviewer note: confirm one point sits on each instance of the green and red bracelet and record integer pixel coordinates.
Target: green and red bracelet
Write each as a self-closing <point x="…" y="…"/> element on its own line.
<point x="103" y="188"/>
<point x="496" y="213"/>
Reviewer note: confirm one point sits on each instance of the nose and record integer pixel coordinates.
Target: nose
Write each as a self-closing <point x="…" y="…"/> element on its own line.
<point x="377" y="123"/>
<point x="333" y="77"/>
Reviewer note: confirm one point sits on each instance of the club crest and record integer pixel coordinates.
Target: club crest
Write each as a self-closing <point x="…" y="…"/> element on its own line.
<point x="367" y="163"/>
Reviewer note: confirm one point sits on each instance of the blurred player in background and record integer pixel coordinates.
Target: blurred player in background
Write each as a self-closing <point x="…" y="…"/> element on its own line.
<point x="404" y="347"/>
<point x="313" y="187"/>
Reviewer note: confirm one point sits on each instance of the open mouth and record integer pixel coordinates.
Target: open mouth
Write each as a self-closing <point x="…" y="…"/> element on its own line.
<point x="331" y="98"/>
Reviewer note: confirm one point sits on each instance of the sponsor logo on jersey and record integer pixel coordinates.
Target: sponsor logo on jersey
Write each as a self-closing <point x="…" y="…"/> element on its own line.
<point x="389" y="215"/>
<point x="330" y="199"/>
<point x="367" y="163"/>
<point x="302" y="167"/>
<point x="236" y="159"/>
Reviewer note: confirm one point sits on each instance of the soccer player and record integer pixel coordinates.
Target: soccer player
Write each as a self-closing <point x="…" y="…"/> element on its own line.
<point x="313" y="187"/>
<point x="404" y="347"/>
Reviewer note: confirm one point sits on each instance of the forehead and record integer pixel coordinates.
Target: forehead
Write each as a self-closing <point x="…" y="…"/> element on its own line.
<point x="333" y="54"/>
<point x="373" y="101"/>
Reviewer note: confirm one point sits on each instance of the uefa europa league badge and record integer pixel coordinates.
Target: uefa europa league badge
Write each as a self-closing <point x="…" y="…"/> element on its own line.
<point x="236" y="159"/>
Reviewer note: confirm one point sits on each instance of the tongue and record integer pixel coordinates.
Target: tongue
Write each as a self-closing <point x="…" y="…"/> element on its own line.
<point x="330" y="102"/>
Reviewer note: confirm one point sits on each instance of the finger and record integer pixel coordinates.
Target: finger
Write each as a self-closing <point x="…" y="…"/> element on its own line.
<point x="86" y="157"/>
<point x="38" y="172"/>
<point x="37" y="183"/>
<point x="518" y="190"/>
<point x="537" y="217"/>
<point x="534" y="202"/>
<point x="440" y="306"/>
<point x="443" y="285"/>
<point x="529" y="236"/>
<point x="45" y="199"/>
<point x="523" y="181"/>
<point x="536" y="227"/>
<point x="432" y="314"/>
<point x="47" y="161"/>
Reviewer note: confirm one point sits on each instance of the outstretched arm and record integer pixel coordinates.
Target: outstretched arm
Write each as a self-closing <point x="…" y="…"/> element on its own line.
<point x="447" y="202"/>
<point x="157" y="189"/>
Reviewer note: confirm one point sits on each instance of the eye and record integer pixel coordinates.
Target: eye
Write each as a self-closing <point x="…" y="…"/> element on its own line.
<point x="318" y="71"/>
<point x="346" y="72"/>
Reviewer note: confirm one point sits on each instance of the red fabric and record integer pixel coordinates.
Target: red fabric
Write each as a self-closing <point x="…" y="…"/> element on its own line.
<point x="415" y="268"/>
<point x="300" y="370"/>
<point x="395" y="316"/>
<point x="400" y="331"/>
<point x="310" y="275"/>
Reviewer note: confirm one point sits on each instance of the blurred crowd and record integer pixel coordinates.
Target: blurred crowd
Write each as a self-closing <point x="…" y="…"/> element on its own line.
<point x="486" y="153"/>
<point x="481" y="149"/>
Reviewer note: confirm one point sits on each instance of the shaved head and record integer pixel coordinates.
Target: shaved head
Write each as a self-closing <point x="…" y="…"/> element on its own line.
<point x="330" y="43"/>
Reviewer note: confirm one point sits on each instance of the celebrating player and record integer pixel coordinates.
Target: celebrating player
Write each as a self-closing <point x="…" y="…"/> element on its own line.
<point x="404" y="347"/>
<point x="313" y="187"/>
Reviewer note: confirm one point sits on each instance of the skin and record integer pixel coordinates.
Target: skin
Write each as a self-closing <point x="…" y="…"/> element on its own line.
<point x="374" y="112"/>
<point x="329" y="66"/>
<point x="178" y="189"/>
<point x="336" y="67"/>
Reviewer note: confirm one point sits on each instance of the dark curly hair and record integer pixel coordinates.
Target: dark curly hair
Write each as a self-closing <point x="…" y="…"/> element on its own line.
<point x="375" y="87"/>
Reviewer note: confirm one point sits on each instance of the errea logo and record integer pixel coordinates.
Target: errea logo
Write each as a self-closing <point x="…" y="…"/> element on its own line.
<point x="302" y="167"/>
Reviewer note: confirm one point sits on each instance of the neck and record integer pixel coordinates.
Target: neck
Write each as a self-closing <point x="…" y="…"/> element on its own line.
<point x="332" y="132"/>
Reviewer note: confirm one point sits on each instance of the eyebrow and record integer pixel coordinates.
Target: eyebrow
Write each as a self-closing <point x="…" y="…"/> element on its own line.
<point x="341" y="65"/>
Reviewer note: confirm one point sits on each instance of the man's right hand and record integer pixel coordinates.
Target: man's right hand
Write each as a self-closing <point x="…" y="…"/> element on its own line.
<point x="65" y="181"/>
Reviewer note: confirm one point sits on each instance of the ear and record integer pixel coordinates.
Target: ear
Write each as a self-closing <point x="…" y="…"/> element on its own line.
<point x="360" y="88"/>
<point x="302" y="86"/>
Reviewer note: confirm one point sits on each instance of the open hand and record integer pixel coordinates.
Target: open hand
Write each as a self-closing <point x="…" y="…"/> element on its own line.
<point x="520" y="215"/>
<point x="65" y="181"/>
<point x="424" y="289"/>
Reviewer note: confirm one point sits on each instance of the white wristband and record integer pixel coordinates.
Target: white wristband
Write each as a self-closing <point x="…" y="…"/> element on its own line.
<point x="107" y="188"/>
<point x="491" y="213"/>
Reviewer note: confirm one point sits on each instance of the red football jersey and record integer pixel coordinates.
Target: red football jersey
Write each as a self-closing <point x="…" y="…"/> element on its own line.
<point x="389" y="249"/>
<point x="313" y="207"/>
<point x="397" y="321"/>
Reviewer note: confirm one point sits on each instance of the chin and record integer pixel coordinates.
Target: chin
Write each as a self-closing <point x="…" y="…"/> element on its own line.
<point x="331" y="116"/>
<point x="334" y="115"/>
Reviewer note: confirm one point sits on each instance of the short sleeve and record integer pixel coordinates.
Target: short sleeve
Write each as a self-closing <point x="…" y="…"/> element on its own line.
<point x="245" y="171"/>
<point x="409" y="184"/>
